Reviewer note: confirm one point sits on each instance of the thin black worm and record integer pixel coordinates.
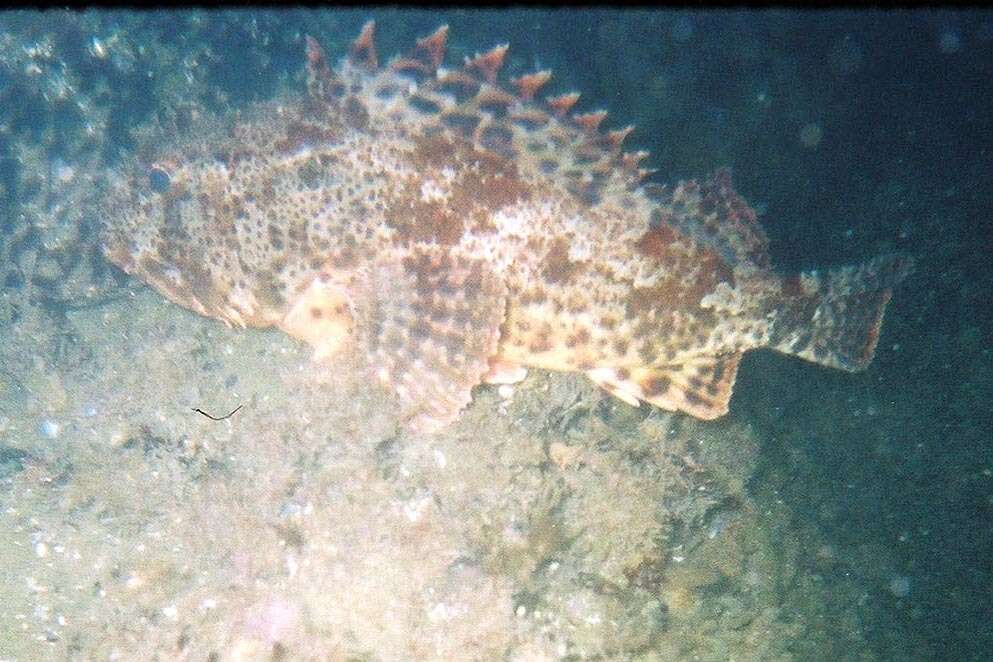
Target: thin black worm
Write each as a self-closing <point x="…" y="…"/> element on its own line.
<point x="214" y="418"/>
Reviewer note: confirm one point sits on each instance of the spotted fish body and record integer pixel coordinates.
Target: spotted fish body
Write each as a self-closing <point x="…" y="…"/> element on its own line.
<point x="454" y="230"/>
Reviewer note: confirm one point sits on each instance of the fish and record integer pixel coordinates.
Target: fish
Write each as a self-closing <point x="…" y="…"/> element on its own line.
<point x="452" y="228"/>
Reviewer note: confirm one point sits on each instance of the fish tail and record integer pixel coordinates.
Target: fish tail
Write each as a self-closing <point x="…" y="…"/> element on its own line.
<point x="834" y="318"/>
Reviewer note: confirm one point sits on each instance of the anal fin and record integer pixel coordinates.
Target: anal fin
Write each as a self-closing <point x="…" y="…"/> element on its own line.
<point x="700" y="387"/>
<point x="432" y="322"/>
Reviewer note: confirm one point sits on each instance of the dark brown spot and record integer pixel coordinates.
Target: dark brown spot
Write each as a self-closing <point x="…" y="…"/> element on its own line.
<point x="580" y="338"/>
<point x="557" y="267"/>
<point x="498" y="139"/>
<point x="647" y="353"/>
<point x="656" y="241"/>
<point x="300" y="134"/>
<point x="420" y="330"/>
<point x="453" y="342"/>
<point x="644" y="329"/>
<point x="485" y="183"/>
<point x="460" y="85"/>
<point x="495" y="101"/>
<point x="421" y="221"/>
<point x="316" y="313"/>
<point x="587" y="154"/>
<point x="423" y="104"/>
<point x="718" y="371"/>
<point x="530" y="120"/>
<point x="656" y="386"/>
<point x="542" y="342"/>
<point x="463" y="123"/>
<point x="275" y="237"/>
<point x="387" y="91"/>
<point x="355" y="114"/>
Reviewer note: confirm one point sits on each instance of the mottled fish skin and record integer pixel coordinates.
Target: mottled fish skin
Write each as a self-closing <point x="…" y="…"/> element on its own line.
<point x="454" y="230"/>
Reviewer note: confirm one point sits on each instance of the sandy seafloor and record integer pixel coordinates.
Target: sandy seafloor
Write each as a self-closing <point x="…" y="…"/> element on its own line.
<point x="829" y="516"/>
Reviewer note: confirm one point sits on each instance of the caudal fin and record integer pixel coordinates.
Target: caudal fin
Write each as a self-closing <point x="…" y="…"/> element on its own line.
<point x="834" y="318"/>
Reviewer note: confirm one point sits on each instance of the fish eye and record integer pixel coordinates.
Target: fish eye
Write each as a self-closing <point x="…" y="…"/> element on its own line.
<point x="159" y="179"/>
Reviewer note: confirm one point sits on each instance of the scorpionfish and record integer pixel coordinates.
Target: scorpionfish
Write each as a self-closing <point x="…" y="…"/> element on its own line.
<point x="453" y="229"/>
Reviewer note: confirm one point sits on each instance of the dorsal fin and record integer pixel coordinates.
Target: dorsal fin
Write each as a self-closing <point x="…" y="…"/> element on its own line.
<point x="489" y="63"/>
<point x="740" y="227"/>
<point x="506" y="121"/>
<point x="528" y="85"/>
<point x="363" y="50"/>
<point x="715" y="215"/>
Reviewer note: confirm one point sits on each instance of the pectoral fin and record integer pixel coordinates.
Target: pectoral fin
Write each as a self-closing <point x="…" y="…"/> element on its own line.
<point x="432" y="322"/>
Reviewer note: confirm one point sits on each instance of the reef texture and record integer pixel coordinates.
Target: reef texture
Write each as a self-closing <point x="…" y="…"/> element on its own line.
<point x="451" y="230"/>
<point x="549" y="524"/>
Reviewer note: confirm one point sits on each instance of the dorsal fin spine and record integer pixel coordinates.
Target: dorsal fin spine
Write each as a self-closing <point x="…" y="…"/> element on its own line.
<point x="530" y="84"/>
<point x="590" y="121"/>
<point x="563" y="103"/>
<point x="489" y="63"/>
<point x="618" y="136"/>
<point x="431" y="49"/>
<point x="363" y="51"/>
<point x="322" y="82"/>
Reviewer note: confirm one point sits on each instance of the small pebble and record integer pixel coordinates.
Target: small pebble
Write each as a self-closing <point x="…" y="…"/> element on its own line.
<point x="49" y="428"/>
<point x="900" y="586"/>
